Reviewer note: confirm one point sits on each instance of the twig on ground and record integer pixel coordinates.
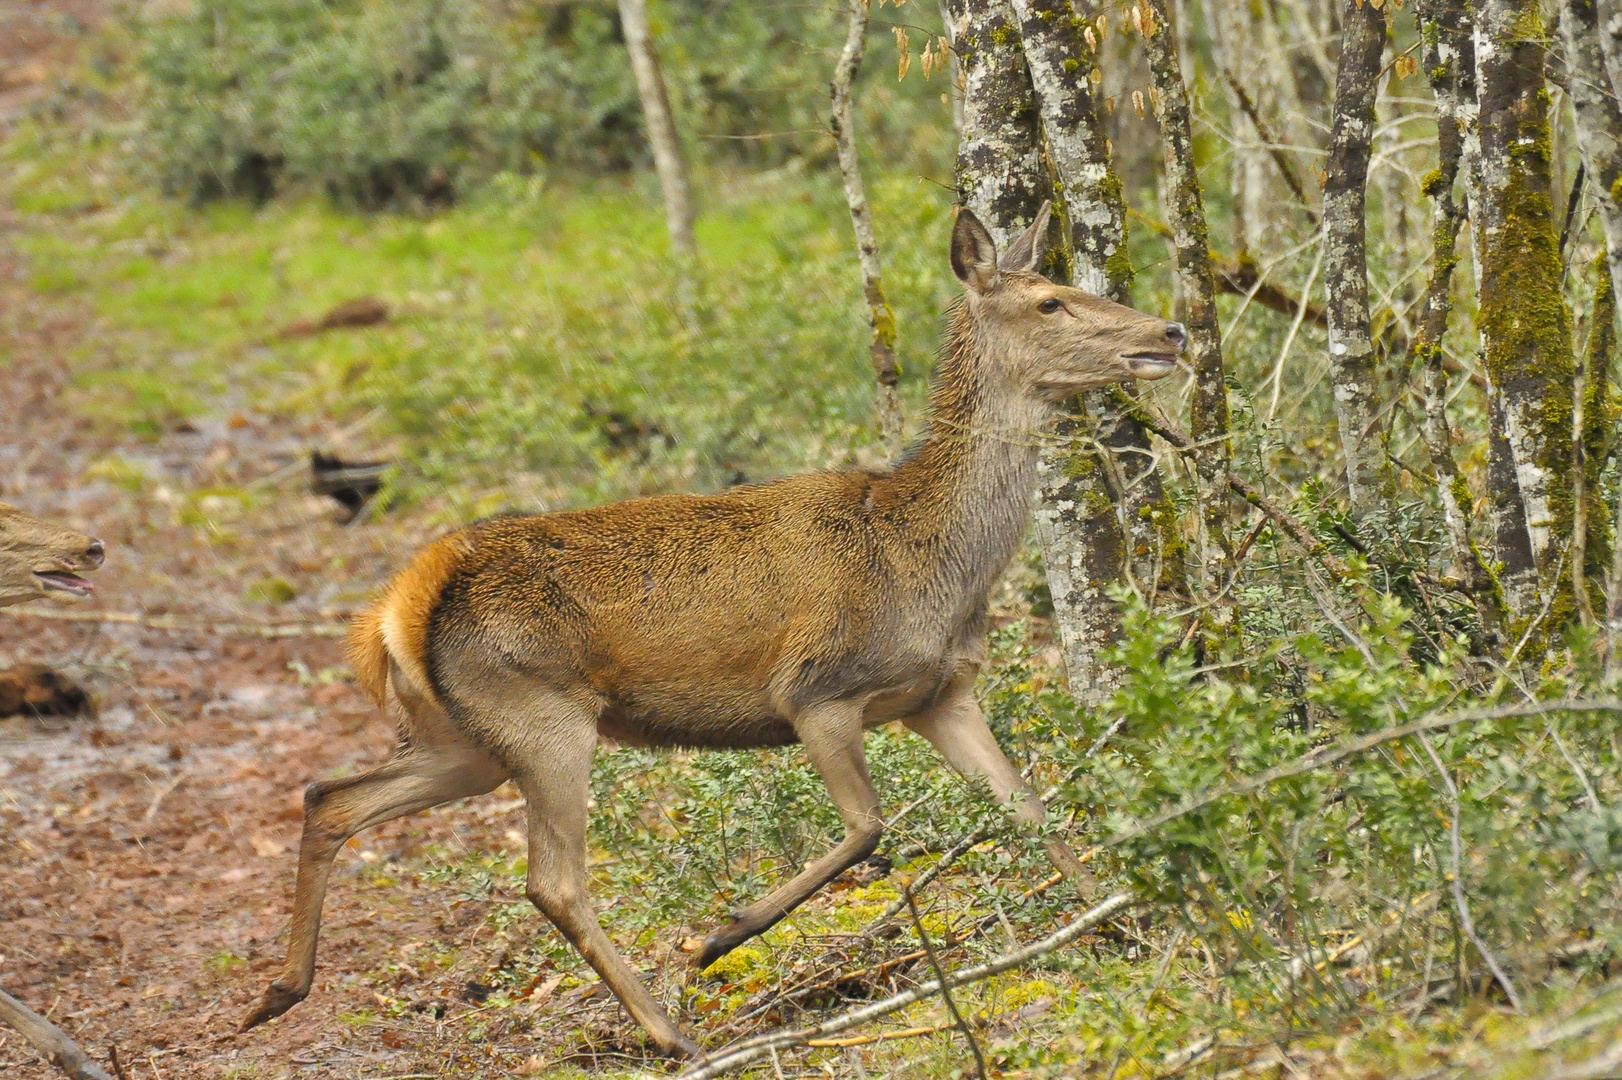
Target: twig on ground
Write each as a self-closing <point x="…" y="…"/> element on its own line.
<point x="756" y="1049"/>
<point x="940" y="977"/>
<point x="883" y="1036"/>
<point x="49" y="1040"/>
<point x="184" y="625"/>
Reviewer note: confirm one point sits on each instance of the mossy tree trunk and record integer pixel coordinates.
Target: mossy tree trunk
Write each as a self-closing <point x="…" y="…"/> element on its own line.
<point x="1185" y="214"/>
<point x="666" y="144"/>
<point x="1101" y="500"/>
<point x="1346" y="284"/>
<point x="880" y="318"/>
<point x="1593" y="441"/>
<point x="1449" y="60"/>
<point x="1525" y="327"/>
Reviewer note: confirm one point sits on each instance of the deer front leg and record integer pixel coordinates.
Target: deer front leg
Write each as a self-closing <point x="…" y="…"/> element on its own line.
<point x="957" y="728"/>
<point x="832" y="735"/>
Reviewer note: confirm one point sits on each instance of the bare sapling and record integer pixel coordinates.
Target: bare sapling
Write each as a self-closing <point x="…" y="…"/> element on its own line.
<point x="804" y="610"/>
<point x="37" y="558"/>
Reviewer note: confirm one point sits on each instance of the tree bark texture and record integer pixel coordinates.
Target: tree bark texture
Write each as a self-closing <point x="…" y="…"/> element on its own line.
<point x="1103" y="514"/>
<point x="1346" y="284"/>
<point x="1185" y="214"/>
<point x="1610" y="41"/>
<point x="662" y="137"/>
<point x="1593" y="441"/>
<point x="1062" y="58"/>
<point x="1598" y="120"/>
<point x="1449" y="60"/>
<point x="1442" y="61"/>
<point x="880" y="318"/>
<point x="1000" y="175"/>
<point x="1525" y="327"/>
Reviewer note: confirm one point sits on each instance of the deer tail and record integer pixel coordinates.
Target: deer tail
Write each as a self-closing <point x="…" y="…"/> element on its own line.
<point x="395" y="627"/>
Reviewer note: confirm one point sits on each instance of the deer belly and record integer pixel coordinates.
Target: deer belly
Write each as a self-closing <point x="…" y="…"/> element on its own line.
<point x="668" y="717"/>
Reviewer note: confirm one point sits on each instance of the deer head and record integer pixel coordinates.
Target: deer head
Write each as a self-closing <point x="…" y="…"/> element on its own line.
<point x="37" y="557"/>
<point x="1053" y="340"/>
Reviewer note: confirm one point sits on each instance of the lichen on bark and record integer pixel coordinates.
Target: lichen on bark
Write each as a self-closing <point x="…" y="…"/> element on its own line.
<point x="1185" y="213"/>
<point x="1100" y="497"/>
<point x="1523" y="319"/>
<point x="1351" y="350"/>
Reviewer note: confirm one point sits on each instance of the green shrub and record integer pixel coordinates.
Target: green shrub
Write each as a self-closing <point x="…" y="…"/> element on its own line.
<point x="415" y="101"/>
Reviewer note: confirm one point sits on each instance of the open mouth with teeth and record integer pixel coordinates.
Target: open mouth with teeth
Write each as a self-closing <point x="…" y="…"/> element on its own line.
<point x="1151" y="365"/>
<point x="63" y="581"/>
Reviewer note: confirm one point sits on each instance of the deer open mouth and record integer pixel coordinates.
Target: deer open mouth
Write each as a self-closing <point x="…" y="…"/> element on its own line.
<point x="63" y="581"/>
<point x="1151" y="365"/>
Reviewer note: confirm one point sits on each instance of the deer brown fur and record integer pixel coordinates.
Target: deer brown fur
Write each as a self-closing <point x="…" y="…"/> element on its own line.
<point x="802" y="610"/>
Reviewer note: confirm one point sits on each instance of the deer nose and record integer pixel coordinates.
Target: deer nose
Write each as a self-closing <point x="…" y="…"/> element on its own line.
<point x="1176" y="334"/>
<point x="96" y="552"/>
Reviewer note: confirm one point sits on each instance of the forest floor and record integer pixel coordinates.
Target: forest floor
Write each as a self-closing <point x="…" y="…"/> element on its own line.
<point x="149" y="850"/>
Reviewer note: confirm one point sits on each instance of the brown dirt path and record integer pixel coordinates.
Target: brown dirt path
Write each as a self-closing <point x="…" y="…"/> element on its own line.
<point x="147" y="855"/>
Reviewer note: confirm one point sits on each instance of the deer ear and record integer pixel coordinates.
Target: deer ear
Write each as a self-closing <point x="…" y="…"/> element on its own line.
<point x="1028" y="251"/>
<point x="974" y="253"/>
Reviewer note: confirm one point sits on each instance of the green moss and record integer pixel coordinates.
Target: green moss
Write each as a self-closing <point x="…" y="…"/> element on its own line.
<point x="1118" y="268"/>
<point x="1001" y="35"/>
<point x="1072" y="66"/>
<point x="1431" y="183"/>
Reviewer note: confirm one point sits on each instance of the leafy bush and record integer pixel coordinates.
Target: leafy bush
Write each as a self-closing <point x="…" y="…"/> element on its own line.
<point x="416" y="100"/>
<point x="372" y="102"/>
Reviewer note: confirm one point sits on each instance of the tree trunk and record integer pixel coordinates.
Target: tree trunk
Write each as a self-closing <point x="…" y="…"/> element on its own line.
<point x="1525" y="327"/>
<point x="1599" y="121"/>
<point x="1099" y="517"/>
<point x="1593" y="440"/>
<point x="999" y="161"/>
<point x="880" y="319"/>
<point x="1449" y="59"/>
<point x="662" y="137"/>
<point x="1346" y="285"/>
<point x="1185" y="214"/>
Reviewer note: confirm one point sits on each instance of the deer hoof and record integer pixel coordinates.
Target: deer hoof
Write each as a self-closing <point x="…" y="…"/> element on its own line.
<point x="684" y="1049"/>
<point x="277" y="1000"/>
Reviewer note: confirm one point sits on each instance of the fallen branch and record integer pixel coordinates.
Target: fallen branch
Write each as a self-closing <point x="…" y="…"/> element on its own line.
<point x="882" y="1036"/>
<point x="184" y="625"/>
<point x="750" y="1051"/>
<point x="49" y="1040"/>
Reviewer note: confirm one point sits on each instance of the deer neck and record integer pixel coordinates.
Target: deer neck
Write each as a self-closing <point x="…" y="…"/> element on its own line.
<point x="972" y="481"/>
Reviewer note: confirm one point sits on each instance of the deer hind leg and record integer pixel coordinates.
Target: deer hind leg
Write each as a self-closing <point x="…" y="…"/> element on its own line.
<point x="832" y="735"/>
<point x="335" y="810"/>
<point x="957" y="728"/>
<point x="554" y="772"/>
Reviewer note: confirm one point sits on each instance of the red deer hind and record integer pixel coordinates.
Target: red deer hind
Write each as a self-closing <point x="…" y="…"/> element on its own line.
<point x="806" y="610"/>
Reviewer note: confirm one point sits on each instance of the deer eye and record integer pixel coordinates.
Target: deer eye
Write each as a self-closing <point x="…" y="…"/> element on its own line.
<point x="1049" y="306"/>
